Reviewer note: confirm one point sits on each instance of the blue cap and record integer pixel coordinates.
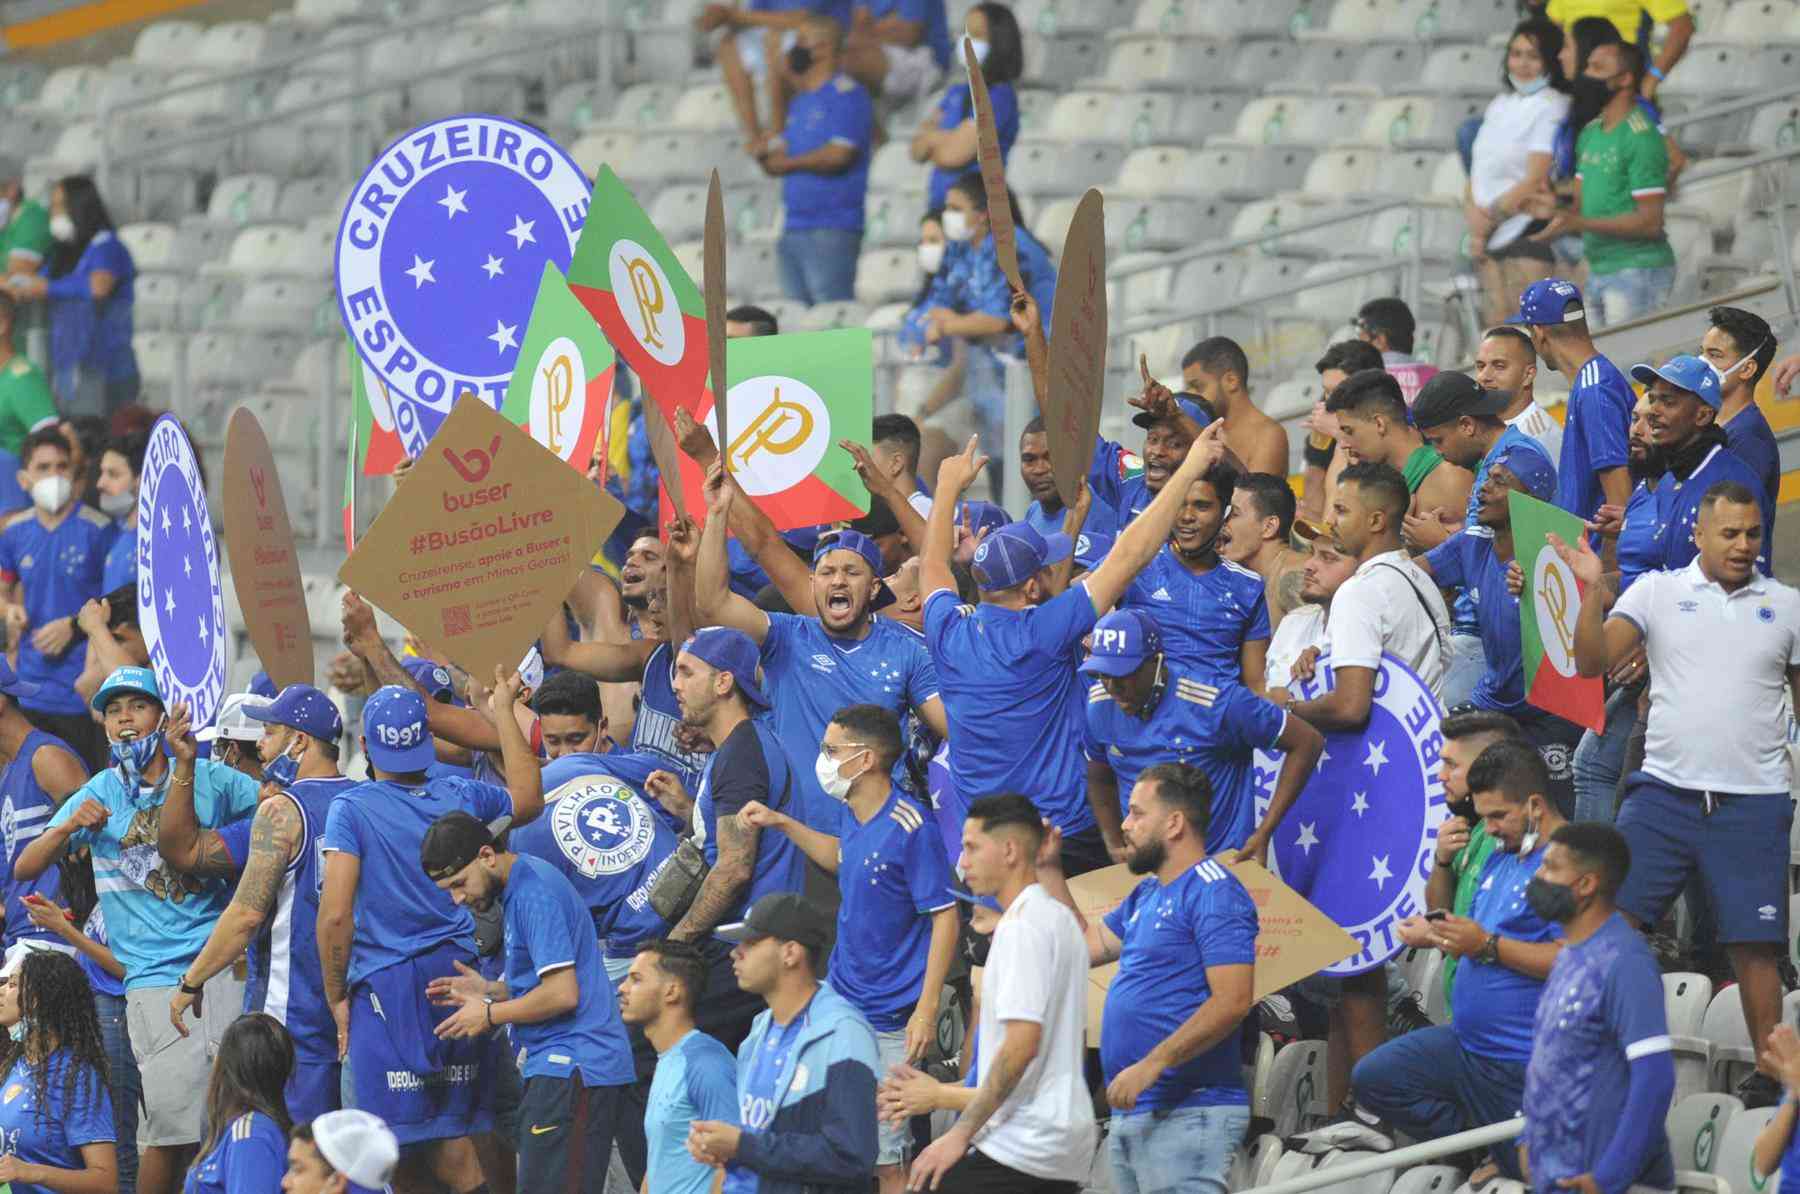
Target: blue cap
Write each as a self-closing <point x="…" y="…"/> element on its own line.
<point x="398" y="732"/>
<point x="862" y="545"/>
<point x="12" y="686"/>
<point x="1684" y="372"/>
<point x="1550" y="301"/>
<point x="981" y="516"/>
<point x="980" y="901"/>
<point x="730" y="651"/>
<point x="1122" y="641"/>
<point x="1015" y="553"/>
<point x="433" y="677"/>
<point x="1528" y="463"/>
<point x="1192" y="405"/>
<point x="301" y="707"/>
<point x="123" y="680"/>
<point x="262" y="686"/>
<point x="1091" y="547"/>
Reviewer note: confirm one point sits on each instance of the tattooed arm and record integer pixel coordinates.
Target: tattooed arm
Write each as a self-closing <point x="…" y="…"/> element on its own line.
<point x="724" y="884"/>
<point x="274" y="838"/>
<point x="1017" y="1048"/>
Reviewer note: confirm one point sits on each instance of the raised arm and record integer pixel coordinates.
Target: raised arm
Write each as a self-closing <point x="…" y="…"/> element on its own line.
<point x="1145" y="535"/>
<point x="179" y="838"/>
<point x="1600" y="641"/>
<point x="714" y="602"/>
<point x="955" y="475"/>
<point x="605" y="660"/>
<point x="524" y="778"/>
<point x="886" y="490"/>
<point x="822" y="848"/>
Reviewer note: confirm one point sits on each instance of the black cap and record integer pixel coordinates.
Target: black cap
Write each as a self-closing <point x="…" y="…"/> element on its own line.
<point x="783" y="915"/>
<point x="1449" y="396"/>
<point x="453" y="841"/>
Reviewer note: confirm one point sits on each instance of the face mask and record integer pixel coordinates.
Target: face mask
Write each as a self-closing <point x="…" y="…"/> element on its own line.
<point x="831" y="777"/>
<point x="1528" y="86"/>
<point x="132" y="755"/>
<point x="5" y="212"/>
<point x="956" y="226"/>
<point x="1590" y="93"/>
<point x="1552" y="902"/>
<point x="62" y="228"/>
<point x="282" y="770"/>
<point x="1529" y="842"/>
<point x="1739" y="364"/>
<point x="118" y="505"/>
<point x="1462" y="808"/>
<point x="976" y="947"/>
<point x="17" y="1031"/>
<point x="931" y="257"/>
<point x="981" y="50"/>
<point x="800" y="59"/>
<point x="51" y="494"/>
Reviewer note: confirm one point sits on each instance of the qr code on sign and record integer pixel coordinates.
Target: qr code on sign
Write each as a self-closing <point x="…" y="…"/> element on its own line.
<point x="457" y="620"/>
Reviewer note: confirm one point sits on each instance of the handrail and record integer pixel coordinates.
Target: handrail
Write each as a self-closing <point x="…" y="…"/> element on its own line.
<point x="1218" y="247"/>
<point x="1727" y="107"/>
<point x="1396" y="1160"/>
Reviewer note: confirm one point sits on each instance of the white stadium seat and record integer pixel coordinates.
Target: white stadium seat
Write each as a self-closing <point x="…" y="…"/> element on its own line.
<point x="1724" y="1030"/>
<point x="1751" y="22"/>
<point x="1428" y="1179"/>
<point x="1697" y="1126"/>
<point x="1296" y="1090"/>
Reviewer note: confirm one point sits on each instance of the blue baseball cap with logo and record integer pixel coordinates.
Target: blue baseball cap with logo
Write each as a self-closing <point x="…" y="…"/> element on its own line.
<point x="301" y="707"/>
<point x="1015" y="553"/>
<point x="730" y="651"/>
<point x="1550" y="301"/>
<point x="123" y="680"/>
<point x="1122" y="641"/>
<point x="433" y="677"/>
<point x="1091" y="547"/>
<point x="1685" y="372"/>
<point x="860" y="544"/>
<point x="981" y="516"/>
<point x="397" y="730"/>
<point x="1528" y="463"/>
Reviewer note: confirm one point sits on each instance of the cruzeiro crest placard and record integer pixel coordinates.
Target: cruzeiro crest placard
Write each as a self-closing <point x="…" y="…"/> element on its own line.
<point x="181" y="609"/>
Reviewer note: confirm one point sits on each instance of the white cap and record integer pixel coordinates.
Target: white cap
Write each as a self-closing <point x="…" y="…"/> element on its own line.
<point x="357" y="1145"/>
<point x="232" y="724"/>
<point x="15" y="955"/>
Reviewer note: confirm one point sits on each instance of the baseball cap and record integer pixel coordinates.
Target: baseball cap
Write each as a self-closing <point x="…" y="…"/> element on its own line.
<point x="398" y="731"/>
<point x="730" y="651"/>
<point x="1684" y="372"/>
<point x="126" y="679"/>
<point x="16" y="953"/>
<point x="981" y="516"/>
<point x="1449" y="396"/>
<point x="1533" y="469"/>
<point x="1122" y="641"/>
<point x="301" y="707"/>
<point x="1309" y="532"/>
<point x="1549" y="301"/>
<point x="454" y="839"/>
<point x="13" y="686"/>
<point x="855" y="541"/>
<point x="357" y="1145"/>
<point x="1091" y="547"/>
<point x="262" y="686"/>
<point x="979" y="901"/>
<point x="1192" y="405"/>
<point x="784" y="915"/>
<point x="1015" y="553"/>
<point x="433" y="677"/>
<point x="232" y="724"/>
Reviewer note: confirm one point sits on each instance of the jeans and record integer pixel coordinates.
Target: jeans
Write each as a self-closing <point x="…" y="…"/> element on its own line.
<point x="1629" y="293"/>
<point x="1463" y="669"/>
<point x="818" y="265"/>
<point x="1600" y="759"/>
<point x="1428" y="1086"/>
<point x="1185" y="1151"/>
<point x="127" y="1091"/>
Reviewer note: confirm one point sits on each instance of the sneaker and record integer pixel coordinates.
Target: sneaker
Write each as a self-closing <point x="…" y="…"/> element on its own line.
<point x="1758" y="1090"/>
<point x="1407" y="1015"/>
<point x="1353" y="1128"/>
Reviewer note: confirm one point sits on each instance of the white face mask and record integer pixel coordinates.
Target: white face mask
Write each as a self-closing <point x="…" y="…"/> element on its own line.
<point x="118" y="505"/>
<point x="931" y="257"/>
<point x="1728" y="370"/>
<point x="51" y="494"/>
<point x="1528" y="86"/>
<point x="62" y="227"/>
<point x="981" y="50"/>
<point x="956" y="225"/>
<point x="831" y="777"/>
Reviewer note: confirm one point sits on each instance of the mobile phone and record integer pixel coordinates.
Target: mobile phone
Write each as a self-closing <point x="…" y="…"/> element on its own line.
<point x="1436" y="914"/>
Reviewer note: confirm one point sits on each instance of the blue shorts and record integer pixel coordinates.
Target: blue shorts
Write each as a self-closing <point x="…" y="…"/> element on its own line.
<point x="312" y="1089"/>
<point x="425" y="1088"/>
<point x="1740" y="851"/>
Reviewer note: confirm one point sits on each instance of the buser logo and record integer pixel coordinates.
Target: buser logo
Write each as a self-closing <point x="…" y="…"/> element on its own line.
<point x="472" y="466"/>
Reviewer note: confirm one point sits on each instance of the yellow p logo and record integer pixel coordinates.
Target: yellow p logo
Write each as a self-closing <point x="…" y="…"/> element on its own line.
<point x="780" y="429"/>
<point x="559" y="387"/>
<point x="1555" y="597"/>
<point x="647" y="289"/>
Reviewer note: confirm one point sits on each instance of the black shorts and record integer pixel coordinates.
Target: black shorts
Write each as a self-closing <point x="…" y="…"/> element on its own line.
<point x="566" y="1134"/>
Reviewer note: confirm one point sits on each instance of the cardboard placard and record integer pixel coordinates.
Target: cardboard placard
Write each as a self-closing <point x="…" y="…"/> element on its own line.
<point x="1294" y="940"/>
<point x="260" y="543"/>
<point x="1077" y="348"/>
<point x="482" y="541"/>
<point x="993" y="171"/>
<point x="667" y="455"/>
<point x="713" y="287"/>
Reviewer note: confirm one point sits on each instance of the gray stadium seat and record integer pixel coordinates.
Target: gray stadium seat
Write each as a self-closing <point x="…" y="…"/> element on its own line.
<point x="1374" y="1183"/>
<point x="1696" y="1127"/>
<point x="1296" y="1091"/>
<point x="1054" y="60"/>
<point x="1428" y="1179"/>
<point x="1724" y="1029"/>
<point x="1254" y="1164"/>
<point x="1733" y="1172"/>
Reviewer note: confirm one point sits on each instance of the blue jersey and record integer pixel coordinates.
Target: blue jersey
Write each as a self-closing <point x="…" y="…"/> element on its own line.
<point x="1601" y="1009"/>
<point x="1752" y="441"/>
<point x="159" y="918"/>
<point x="1170" y="936"/>
<point x="1467" y="561"/>
<point x="25" y="811"/>
<point x="1493" y="1006"/>
<point x="1014" y="699"/>
<point x="548" y="928"/>
<point x="400" y="913"/>
<point x="957" y="107"/>
<point x="609" y="845"/>
<point x="84" y="333"/>
<point x="657" y="717"/>
<point x="1101" y="519"/>
<point x="929" y="13"/>
<point x="1595" y="433"/>
<point x="695" y="1079"/>
<point x="1206" y="617"/>
<point x="631" y="768"/>
<point x="250" y="1158"/>
<point x="102" y="982"/>
<point x="971" y="282"/>
<point x="750" y="765"/>
<point x="759" y="1091"/>
<point x="810" y="674"/>
<point x="58" y="571"/>
<point x="121" y="561"/>
<point x="1640" y="538"/>
<point x="1678" y="506"/>
<point x="52" y="1133"/>
<point x="840" y="113"/>
<point x="1218" y="729"/>
<point x="892" y="872"/>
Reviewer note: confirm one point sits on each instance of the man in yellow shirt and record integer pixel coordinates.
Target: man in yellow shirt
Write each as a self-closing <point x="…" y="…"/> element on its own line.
<point x="1635" y="20"/>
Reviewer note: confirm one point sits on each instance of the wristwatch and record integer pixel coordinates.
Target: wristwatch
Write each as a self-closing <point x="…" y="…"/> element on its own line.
<point x="488" y="1000"/>
<point x="1490" y="953"/>
<point x="181" y="985"/>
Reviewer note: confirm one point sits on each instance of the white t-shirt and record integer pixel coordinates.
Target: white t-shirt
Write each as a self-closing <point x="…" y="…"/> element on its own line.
<point x="1301" y="628"/>
<point x="1388" y="604"/>
<point x="1718" y="665"/>
<point x="920" y="502"/>
<point x="1037" y="971"/>
<point x="1512" y="129"/>
<point x="1541" y="426"/>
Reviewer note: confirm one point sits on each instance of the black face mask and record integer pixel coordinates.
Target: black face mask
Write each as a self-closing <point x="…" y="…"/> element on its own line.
<point x="1462" y="808"/>
<point x="800" y="59"/>
<point x="1552" y="902"/>
<point x="976" y="947"/>
<point x="1589" y="94"/>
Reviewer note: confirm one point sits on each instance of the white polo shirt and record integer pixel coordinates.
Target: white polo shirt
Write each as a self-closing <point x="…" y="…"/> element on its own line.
<point x="1389" y="605"/>
<point x="1718" y="664"/>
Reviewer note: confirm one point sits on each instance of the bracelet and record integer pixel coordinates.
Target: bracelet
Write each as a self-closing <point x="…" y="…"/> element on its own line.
<point x="181" y="985"/>
<point x="1317" y="457"/>
<point x="1657" y="74"/>
<point x="489" y="1000"/>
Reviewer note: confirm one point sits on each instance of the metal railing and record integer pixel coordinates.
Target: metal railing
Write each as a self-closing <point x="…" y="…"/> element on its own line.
<point x="1396" y="1160"/>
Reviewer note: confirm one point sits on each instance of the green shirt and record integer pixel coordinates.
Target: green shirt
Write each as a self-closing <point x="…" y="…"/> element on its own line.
<point x="24" y="401"/>
<point x="1616" y="166"/>
<point x="1468" y="864"/>
<point x="1418" y="466"/>
<point x="27" y="234"/>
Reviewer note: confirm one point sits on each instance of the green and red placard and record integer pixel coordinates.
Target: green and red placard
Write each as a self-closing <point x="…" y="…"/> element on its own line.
<point x="1548" y="608"/>
<point x="560" y="390"/>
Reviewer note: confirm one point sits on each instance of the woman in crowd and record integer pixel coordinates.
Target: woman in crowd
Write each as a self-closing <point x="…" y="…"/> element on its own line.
<point x="946" y="138"/>
<point x="88" y="283"/>
<point x="1511" y="160"/>
<point x="56" y="1118"/>
<point x="116" y="493"/>
<point x="937" y="382"/>
<point x="245" y="1150"/>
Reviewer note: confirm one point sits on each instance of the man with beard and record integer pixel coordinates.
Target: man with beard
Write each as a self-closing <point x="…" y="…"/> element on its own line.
<point x="1185" y="941"/>
<point x="1257" y="536"/>
<point x="564" y="1021"/>
<point x="1301" y="636"/>
<point x="1046" y="512"/>
<point x="1506" y="361"/>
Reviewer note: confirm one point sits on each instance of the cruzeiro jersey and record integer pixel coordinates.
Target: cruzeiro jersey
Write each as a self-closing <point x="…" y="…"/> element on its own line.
<point x="657" y="716"/>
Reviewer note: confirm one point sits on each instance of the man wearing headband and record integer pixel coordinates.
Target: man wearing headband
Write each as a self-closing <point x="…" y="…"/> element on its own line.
<point x="1740" y="344"/>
